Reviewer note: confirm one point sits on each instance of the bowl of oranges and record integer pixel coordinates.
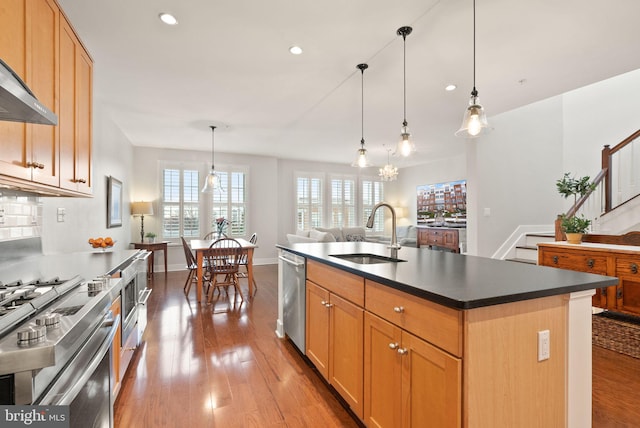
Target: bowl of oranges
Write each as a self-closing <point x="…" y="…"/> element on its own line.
<point x="102" y="243"/>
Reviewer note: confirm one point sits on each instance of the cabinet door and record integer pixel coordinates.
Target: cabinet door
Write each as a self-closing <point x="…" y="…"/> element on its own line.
<point x="75" y="112"/>
<point x="13" y="149"/>
<point x="317" y="328"/>
<point x="431" y="385"/>
<point x="42" y="32"/>
<point x="382" y="373"/>
<point x="346" y="352"/>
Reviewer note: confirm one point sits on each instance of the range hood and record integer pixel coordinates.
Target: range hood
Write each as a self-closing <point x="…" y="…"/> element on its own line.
<point x="17" y="102"/>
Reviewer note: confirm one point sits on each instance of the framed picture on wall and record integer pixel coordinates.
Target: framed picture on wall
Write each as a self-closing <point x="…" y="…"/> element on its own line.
<point x="114" y="202"/>
<point x="442" y="204"/>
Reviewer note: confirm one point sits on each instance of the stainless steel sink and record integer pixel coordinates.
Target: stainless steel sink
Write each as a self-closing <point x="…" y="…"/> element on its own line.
<point x="366" y="259"/>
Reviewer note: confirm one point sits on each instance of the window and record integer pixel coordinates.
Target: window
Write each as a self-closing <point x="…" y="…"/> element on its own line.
<point x="372" y="193"/>
<point x="343" y="203"/>
<point x="348" y="203"/>
<point x="180" y="203"/>
<point x="231" y="203"/>
<point x="309" y="201"/>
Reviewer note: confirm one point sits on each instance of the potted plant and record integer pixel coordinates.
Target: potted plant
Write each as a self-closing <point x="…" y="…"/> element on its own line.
<point x="151" y="236"/>
<point x="574" y="227"/>
<point x="568" y="186"/>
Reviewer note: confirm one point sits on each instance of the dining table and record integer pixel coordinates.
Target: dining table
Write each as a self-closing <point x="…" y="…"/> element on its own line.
<point x="199" y="246"/>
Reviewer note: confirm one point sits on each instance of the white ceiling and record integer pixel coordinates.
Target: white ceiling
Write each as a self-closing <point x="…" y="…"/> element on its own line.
<point x="227" y="63"/>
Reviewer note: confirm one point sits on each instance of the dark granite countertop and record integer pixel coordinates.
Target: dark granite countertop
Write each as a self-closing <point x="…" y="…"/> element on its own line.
<point x="454" y="280"/>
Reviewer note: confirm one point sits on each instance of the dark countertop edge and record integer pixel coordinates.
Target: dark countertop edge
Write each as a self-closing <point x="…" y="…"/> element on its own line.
<point x="453" y="303"/>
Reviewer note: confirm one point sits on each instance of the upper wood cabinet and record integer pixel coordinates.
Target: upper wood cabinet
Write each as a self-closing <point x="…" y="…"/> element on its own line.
<point x="75" y="112"/>
<point x="34" y="42"/>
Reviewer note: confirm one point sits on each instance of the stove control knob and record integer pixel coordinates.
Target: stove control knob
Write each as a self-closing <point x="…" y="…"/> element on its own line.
<point x="50" y="321"/>
<point x="31" y="335"/>
<point x="95" y="285"/>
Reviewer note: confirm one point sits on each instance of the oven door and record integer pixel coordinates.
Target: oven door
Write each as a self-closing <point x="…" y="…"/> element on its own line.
<point x="85" y="383"/>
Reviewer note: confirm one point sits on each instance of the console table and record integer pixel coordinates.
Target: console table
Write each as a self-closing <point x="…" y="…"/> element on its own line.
<point x="443" y="237"/>
<point x="153" y="247"/>
<point x="621" y="261"/>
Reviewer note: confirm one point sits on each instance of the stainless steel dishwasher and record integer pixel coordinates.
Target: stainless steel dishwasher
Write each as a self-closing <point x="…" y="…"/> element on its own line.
<point x="295" y="295"/>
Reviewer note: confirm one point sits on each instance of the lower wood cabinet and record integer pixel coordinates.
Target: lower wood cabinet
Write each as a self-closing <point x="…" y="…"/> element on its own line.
<point x="335" y="343"/>
<point x="408" y="381"/>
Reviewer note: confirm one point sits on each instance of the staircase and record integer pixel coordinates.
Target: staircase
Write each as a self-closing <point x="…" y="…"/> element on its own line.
<point x="527" y="251"/>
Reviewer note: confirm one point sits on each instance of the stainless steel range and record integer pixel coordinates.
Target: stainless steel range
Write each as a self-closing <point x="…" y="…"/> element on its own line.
<point x="56" y="334"/>
<point x="43" y="325"/>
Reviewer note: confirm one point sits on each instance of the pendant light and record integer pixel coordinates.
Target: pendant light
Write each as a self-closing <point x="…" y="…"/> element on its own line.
<point x="388" y="172"/>
<point x="474" y="122"/>
<point x="405" y="145"/>
<point x="212" y="182"/>
<point x="362" y="161"/>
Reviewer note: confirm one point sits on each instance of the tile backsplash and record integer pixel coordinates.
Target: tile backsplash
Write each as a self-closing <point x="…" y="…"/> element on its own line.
<point x="20" y="215"/>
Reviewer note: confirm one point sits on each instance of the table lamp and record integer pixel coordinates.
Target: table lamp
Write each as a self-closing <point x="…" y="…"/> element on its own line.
<point x="142" y="209"/>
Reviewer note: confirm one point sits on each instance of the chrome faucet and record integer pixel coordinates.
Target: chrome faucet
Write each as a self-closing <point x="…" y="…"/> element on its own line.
<point x="394" y="239"/>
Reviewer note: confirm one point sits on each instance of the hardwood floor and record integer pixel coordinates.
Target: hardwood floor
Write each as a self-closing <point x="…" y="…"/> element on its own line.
<point x="215" y="366"/>
<point x="208" y="366"/>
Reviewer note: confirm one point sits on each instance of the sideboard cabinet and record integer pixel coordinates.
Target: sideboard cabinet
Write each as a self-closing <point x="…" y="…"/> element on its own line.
<point x="443" y="237"/>
<point x="621" y="261"/>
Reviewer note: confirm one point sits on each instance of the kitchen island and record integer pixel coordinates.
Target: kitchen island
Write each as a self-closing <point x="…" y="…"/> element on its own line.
<point x="449" y="339"/>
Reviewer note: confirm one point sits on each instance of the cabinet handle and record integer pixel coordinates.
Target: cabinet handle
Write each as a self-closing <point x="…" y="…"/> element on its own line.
<point x="398" y="309"/>
<point x="393" y="346"/>
<point x="402" y="351"/>
<point x="634" y="268"/>
<point x="326" y="304"/>
<point x="555" y="260"/>
<point x="619" y="293"/>
<point x="590" y="263"/>
<point x="35" y="165"/>
<point x="80" y="180"/>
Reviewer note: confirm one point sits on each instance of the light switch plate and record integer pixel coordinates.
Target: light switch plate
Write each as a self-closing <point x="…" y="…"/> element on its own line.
<point x="543" y="345"/>
<point x="61" y="214"/>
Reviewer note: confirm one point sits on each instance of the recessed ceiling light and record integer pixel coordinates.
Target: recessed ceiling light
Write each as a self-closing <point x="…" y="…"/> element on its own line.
<point x="450" y="87"/>
<point x="296" y="50"/>
<point x="168" y="19"/>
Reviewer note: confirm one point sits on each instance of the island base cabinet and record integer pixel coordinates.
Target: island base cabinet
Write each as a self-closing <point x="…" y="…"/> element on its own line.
<point x="334" y="340"/>
<point x="408" y="381"/>
<point x="317" y="328"/>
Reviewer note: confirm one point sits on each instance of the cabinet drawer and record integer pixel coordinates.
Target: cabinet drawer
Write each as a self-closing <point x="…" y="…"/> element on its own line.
<point x="628" y="266"/>
<point x="432" y="322"/>
<point x="582" y="262"/>
<point x="344" y="284"/>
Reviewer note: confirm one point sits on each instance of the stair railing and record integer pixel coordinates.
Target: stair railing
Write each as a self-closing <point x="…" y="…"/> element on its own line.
<point x="617" y="182"/>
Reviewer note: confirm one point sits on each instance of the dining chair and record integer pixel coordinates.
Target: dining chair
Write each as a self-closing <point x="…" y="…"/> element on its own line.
<point x="191" y="266"/>
<point x="244" y="261"/>
<point x="222" y="264"/>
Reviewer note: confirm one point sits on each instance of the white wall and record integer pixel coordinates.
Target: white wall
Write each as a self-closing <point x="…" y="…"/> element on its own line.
<point x="87" y="217"/>
<point x="516" y="167"/>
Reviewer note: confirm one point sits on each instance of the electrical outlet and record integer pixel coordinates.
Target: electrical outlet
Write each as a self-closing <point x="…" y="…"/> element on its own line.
<point x="543" y="345"/>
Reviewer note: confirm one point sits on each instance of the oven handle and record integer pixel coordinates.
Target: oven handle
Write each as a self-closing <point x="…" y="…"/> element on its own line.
<point x="144" y="296"/>
<point x="71" y="393"/>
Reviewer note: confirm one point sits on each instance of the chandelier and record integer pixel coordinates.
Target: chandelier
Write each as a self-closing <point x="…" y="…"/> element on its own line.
<point x="388" y="172"/>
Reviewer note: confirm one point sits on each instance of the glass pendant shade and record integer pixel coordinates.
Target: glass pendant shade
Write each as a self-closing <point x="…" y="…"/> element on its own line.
<point x="474" y="122"/>
<point x="212" y="182"/>
<point x="361" y="159"/>
<point x="405" y="145"/>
